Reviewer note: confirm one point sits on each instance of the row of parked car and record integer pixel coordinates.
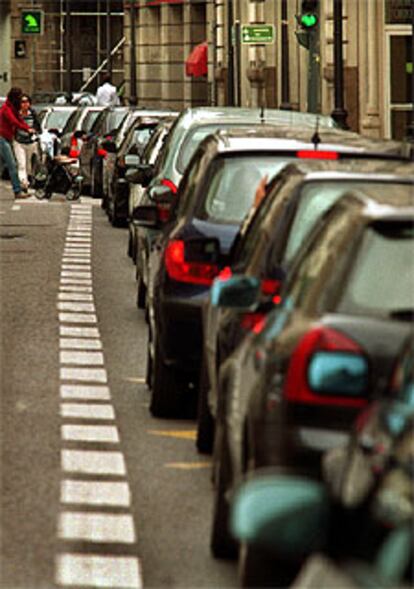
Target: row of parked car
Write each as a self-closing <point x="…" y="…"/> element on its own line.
<point x="274" y="264"/>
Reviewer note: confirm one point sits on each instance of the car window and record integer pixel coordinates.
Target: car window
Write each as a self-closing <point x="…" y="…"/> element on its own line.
<point x="231" y="191"/>
<point x="381" y="279"/>
<point x="72" y="121"/>
<point x="89" y="120"/>
<point x="315" y="198"/>
<point x="324" y="254"/>
<point x="57" y="119"/>
<point x="190" y="183"/>
<point x="141" y="137"/>
<point x="195" y="136"/>
<point x="114" y="120"/>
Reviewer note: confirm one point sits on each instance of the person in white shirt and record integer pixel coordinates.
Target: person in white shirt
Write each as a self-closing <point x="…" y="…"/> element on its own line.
<point x="106" y="94"/>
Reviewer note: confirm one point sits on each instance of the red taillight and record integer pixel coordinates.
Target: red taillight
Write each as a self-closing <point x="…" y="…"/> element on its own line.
<point x="225" y="273"/>
<point x="164" y="210"/>
<point x="296" y="388"/>
<point x="74" y="148"/>
<point x="182" y="271"/>
<point x="101" y="152"/>
<point x="253" y="322"/>
<point x="309" y="154"/>
<point x="270" y="287"/>
<point x="169" y="184"/>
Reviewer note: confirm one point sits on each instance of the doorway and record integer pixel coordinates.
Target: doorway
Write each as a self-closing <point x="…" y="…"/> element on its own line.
<point x="398" y="83"/>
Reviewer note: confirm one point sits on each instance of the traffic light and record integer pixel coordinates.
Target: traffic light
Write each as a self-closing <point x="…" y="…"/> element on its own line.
<point x="309" y="16"/>
<point x="308" y="21"/>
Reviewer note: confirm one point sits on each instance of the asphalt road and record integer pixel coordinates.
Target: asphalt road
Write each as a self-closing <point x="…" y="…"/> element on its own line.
<point x="146" y="524"/>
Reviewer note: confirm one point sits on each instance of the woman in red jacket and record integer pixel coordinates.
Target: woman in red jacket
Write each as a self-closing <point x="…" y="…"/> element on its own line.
<point x="10" y="121"/>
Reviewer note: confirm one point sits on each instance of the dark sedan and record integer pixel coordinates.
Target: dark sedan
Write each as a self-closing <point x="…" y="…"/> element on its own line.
<point x="292" y="391"/>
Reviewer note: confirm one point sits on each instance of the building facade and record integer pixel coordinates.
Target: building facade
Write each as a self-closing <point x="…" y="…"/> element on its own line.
<point x="150" y="44"/>
<point x="377" y="41"/>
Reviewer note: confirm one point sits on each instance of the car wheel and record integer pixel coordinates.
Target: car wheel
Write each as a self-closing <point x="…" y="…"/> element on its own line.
<point x="222" y="544"/>
<point x="205" y="421"/>
<point x="165" y="393"/>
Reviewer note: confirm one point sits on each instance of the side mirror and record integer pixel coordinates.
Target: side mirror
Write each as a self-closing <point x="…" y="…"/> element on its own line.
<point x="146" y="172"/>
<point x="132" y="160"/>
<point x="131" y="176"/>
<point x="161" y="193"/>
<point x="239" y="292"/>
<point x="287" y="515"/>
<point x="203" y="250"/>
<point x="79" y="134"/>
<point x="109" y="146"/>
<point x="146" y="216"/>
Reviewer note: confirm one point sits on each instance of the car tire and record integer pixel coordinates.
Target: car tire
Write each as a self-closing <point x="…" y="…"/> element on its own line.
<point x="205" y="421"/>
<point x="222" y="544"/>
<point x="165" y="387"/>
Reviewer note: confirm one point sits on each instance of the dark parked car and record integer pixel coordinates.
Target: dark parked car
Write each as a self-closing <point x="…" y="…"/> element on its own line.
<point x="346" y="309"/>
<point x="149" y="157"/>
<point x="191" y="127"/>
<point x="356" y="526"/>
<point x="266" y="246"/>
<point x="92" y="154"/>
<point x="215" y="195"/>
<point x="133" y="143"/>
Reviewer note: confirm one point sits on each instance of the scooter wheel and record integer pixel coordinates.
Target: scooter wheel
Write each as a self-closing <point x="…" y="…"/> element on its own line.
<point x="72" y="194"/>
<point x="42" y="194"/>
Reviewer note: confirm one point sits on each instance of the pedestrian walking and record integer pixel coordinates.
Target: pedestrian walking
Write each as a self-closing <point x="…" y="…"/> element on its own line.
<point x="106" y="94"/>
<point x="10" y="121"/>
<point x="25" y="144"/>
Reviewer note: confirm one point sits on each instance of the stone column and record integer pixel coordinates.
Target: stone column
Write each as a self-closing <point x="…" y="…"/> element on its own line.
<point x="370" y="29"/>
<point x="257" y="59"/>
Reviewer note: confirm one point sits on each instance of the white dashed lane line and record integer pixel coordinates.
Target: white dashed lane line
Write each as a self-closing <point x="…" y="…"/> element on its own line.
<point x="88" y="419"/>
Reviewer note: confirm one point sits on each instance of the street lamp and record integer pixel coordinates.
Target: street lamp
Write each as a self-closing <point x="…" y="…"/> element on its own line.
<point x="339" y="114"/>
<point x="285" y="58"/>
<point x="133" y="53"/>
<point x="410" y="128"/>
<point x="230" y="54"/>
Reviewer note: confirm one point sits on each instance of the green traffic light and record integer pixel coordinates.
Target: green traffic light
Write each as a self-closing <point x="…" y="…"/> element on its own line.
<point x="308" y="21"/>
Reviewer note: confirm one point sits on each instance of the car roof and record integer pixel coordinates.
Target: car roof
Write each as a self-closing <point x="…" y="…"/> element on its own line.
<point x="293" y="138"/>
<point x="192" y="116"/>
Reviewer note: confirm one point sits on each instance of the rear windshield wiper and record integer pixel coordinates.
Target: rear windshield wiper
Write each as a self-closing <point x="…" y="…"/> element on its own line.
<point x="403" y="314"/>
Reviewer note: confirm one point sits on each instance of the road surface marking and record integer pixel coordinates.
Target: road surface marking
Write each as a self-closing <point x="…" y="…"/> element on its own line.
<point x="188" y="465"/>
<point x="95" y="493"/>
<point x="85" y="392"/>
<point x="93" y="462"/>
<point x="98" y="571"/>
<point x="73" y="274"/>
<point x="184" y="434"/>
<point x="83" y="374"/>
<point x="81" y="281"/>
<point x="96" y="527"/>
<point x="81" y="357"/>
<point x="90" y="433"/>
<point x="76" y="306"/>
<point x="16" y="208"/>
<point x="78" y="331"/>
<point x="80" y="343"/>
<point x="77" y="318"/>
<point x="137" y="379"/>
<point x="75" y="266"/>
<point x="75" y="296"/>
<point x="75" y="288"/>
<point x="87" y="411"/>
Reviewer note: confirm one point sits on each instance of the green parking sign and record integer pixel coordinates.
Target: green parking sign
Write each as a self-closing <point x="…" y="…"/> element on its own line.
<point x="32" y="22"/>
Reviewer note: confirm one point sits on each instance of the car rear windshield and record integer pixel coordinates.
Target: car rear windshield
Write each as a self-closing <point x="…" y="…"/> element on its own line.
<point x="141" y="137"/>
<point x="382" y="275"/>
<point x="195" y="136"/>
<point x="114" y="120"/>
<point x="232" y="186"/>
<point x="57" y="119"/>
<point x="315" y="199"/>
